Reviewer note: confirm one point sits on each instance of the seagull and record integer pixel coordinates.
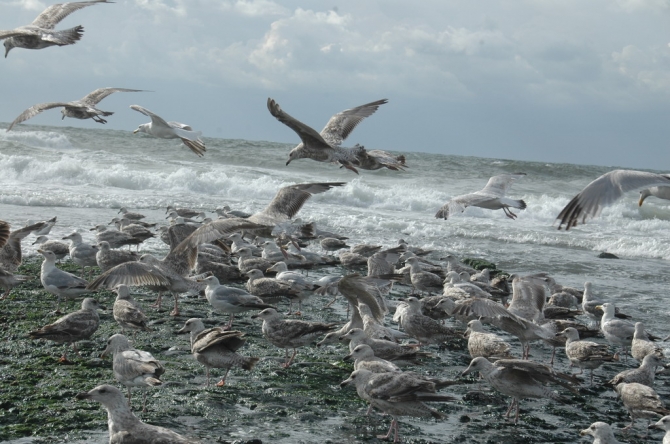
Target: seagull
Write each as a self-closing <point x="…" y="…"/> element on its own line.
<point x="217" y="348"/>
<point x="59" y="282"/>
<point x="640" y="401"/>
<point x="41" y="33"/>
<point x="158" y="127"/>
<point x="325" y="147"/>
<point x="127" y="313"/>
<point x="133" y="368"/>
<point x="85" y="108"/>
<point x="124" y="426"/>
<point x="601" y="432"/>
<point x="604" y="191"/>
<point x="663" y="424"/>
<point x="230" y="299"/>
<point x="72" y="327"/>
<point x="491" y="197"/>
<point x="660" y="192"/>
<point x="585" y="354"/>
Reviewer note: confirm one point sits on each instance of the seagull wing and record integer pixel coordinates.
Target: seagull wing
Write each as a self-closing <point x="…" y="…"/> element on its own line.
<point x="36" y="109"/>
<point x="604" y="191"/>
<point x="342" y="124"/>
<point x="18" y="32"/>
<point x="290" y="199"/>
<point x="51" y="16"/>
<point x="131" y="274"/>
<point x="307" y="134"/>
<point x="96" y="96"/>
<point x="155" y="119"/>
<point x="499" y="185"/>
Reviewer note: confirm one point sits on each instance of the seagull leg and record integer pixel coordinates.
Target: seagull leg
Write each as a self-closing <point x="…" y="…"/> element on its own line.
<point x="175" y="311"/>
<point x="591" y="382"/>
<point x="553" y="354"/>
<point x="129" y="395"/>
<point x="518" y="407"/>
<point x="144" y="402"/>
<point x="509" y="409"/>
<point x="222" y="382"/>
<point x="290" y="361"/>
<point x="207" y="374"/>
<point x="388" y="435"/>
<point x="159" y="299"/>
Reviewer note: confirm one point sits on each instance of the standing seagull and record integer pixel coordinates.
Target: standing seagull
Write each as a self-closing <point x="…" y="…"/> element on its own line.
<point x="77" y="109"/>
<point x="491" y="197"/>
<point x="604" y="191"/>
<point x="158" y="127"/>
<point x="41" y="34"/>
<point x="325" y="146"/>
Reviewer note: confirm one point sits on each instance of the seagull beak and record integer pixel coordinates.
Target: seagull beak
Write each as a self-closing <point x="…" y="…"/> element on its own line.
<point x="347" y="358"/>
<point x="345" y="382"/>
<point x="586" y="432"/>
<point x="83" y="395"/>
<point x="182" y="331"/>
<point x="599" y="307"/>
<point x="136" y="131"/>
<point x="287" y="162"/>
<point x="639" y="204"/>
<point x="63" y="118"/>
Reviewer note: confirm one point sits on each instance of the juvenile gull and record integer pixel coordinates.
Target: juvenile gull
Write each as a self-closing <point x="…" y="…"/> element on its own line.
<point x="663" y="424"/>
<point x="453" y="264"/>
<point x="604" y="191"/>
<point x="383" y="349"/>
<point x="585" y="354"/>
<point x="333" y="244"/>
<point x="528" y="298"/>
<point x="487" y="345"/>
<point x="133" y="368"/>
<point x="41" y="32"/>
<point x="72" y="327"/>
<point x="491" y="197"/>
<point x="9" y="281"/>
<point x="640" y="401"/>
<point x="10" y="253"/>
<point x="127" y="313"/>
<point x="423" y="328"/>
<point x="269" y="288"/>
<point x="84" y="108"/>
<point x="644" y="375"/>
<point x="230" y="300"/>
<point x="130" y="215"/>
<point x="601" y="432"/>
<point x="423" y="281"/>
<point x="325" y="147"/>
<point x="124" y="426"/>
<point x="184" y="212"/>
<point x="290" y="333"/>
<point x="60" y="249"/>
<point x="397" y="394"/>
<point x="59" y="282"/>
<point x="296" y="280"/>
<point x="108" y="258"/>
<point x="114" y="238"/>
<point x="161" y="129"/>
<point x="641" y="345"/>
<point x="217" y="348"/>
<point x="521" y="379"/>
<point x="364" y="358"/>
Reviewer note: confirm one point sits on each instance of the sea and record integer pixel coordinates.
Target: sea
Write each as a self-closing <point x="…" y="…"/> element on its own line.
<point x="84" y="176"/>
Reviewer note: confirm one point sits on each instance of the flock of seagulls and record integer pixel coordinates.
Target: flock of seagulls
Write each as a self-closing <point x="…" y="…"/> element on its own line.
<point x="530" y="308"/>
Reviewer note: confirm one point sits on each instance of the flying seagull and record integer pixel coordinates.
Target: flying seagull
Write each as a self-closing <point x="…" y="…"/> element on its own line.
<point x="325" y="146"/>
<point x="85" y="108"/>
<point x="491" y="197"/>
<point x="604" y="191"/>
<point x="41" y="33"/>
<point x="161" y="129"/>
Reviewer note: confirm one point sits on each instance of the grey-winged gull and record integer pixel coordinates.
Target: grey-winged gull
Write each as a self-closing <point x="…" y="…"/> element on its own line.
<point x="161" y="129"/>
<point x="585" y="354"/>
<point x="423" y="281"/>
<point x="491" y="197"/>
<point x="618" y="332"/>
<point x="382" y="348"/>
<point x="58" y="282"/>
<point x="184" y="212"/>
<point x="641" y="401"/>
<point x="604" y="191"/>
<point x="290" y="333"/>
<point x="521" y="379"/>
<point x="41" y="32"/>
<point x="130" y="215"/>
<point x="124" y="426"/>
<point x="127" y="313"/>
<point x="422" y="328"/>
<point x="72" y="327"/>
<point x="601" y="432"/>
<point x="645" y="374"/>
<point x="364" y="357"/>
<point x="133" y="368"/>
<point x="82" y="253"/>
<point x="641" y="345"/>
<point x="397" y="394"/>
<point x="325" y="146"/>
<point x="230" y="300"/>
<point x="217" y="348"/>
<point x="84" y="108"/>
<point x="660" y="192"/>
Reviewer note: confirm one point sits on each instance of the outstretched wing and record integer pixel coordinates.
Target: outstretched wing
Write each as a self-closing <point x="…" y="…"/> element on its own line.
<point x="155" y="119"/>
<point x="307" y="134"/>
<point x="342" y="124"/>
<point x="51" y="16"/>
<point x="130" y="274"/>
<point x="604" y="191"/>
<point x="36" y="109"/>
<point x="498" y="185"/>
<point x="290" y="199"/>
<point x="96" y="96"/>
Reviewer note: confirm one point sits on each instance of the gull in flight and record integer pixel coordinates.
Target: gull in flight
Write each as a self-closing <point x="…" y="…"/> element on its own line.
<point x="604" y="191"/>
<point x="325" y="146"/>
<point x="158" y="127"/>
<point x="491" y="197"/>
<point x="41" y="33"/>
<point x="77" y="109"/>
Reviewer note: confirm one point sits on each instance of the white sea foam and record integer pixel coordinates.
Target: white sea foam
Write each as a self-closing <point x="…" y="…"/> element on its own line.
<point x="37" y="139"/>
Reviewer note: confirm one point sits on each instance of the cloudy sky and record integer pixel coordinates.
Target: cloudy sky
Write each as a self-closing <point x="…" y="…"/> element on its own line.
<point x="576" y="81"/>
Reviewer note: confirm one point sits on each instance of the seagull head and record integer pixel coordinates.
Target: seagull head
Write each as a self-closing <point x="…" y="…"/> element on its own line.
<point x="142" y="128"/>
<point x="643" y="195"/>
<point x="296" y="153"/>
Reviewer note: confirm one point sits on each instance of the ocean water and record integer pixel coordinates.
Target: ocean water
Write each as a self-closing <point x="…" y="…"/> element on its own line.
<point x="85" y="176"/>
